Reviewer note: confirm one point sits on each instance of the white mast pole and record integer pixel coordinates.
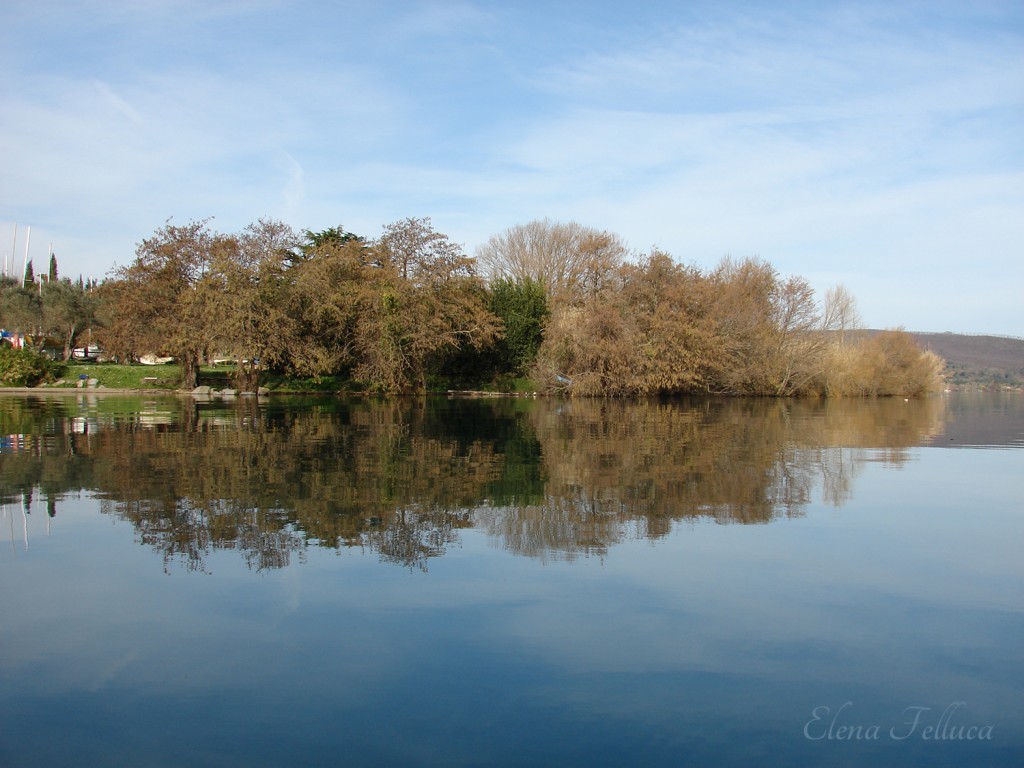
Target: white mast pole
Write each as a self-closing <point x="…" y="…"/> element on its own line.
<point x="28" y="239"/>
<point x="24" y="522"/>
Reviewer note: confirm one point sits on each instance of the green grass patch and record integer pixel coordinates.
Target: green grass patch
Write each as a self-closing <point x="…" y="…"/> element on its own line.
<point x="296" y="384"/>
<point x="518" y="385"/>
<point x="168" y="377"/>
<point x="523" y="385"/>
<point x="114" y="376"/>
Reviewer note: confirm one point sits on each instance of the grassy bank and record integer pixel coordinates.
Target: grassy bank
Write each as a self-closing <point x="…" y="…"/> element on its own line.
<point x="113" y="376"/>
<point x="168" y="377"/>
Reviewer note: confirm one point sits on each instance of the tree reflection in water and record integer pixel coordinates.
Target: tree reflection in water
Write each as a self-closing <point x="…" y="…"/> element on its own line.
<point x="545" y="478"/>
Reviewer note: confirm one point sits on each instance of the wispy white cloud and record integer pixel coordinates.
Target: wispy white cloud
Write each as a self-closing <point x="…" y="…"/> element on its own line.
<point x="107" y="94"/>
<point x="846" y="139"/>
<point x="439" y="19"/>
<point x="825" y="144"/>
<point x="294" y="189"/>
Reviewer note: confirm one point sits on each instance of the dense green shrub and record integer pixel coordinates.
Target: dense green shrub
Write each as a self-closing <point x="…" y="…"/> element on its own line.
<point x="23" y="367"/>
<point x="523" y="310"/>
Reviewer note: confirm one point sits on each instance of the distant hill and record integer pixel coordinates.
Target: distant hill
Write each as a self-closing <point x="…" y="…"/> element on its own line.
<point x="989" y="361"/>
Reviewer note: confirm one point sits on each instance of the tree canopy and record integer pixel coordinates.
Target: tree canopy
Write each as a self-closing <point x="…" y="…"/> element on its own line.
<point x="564" y="304"/>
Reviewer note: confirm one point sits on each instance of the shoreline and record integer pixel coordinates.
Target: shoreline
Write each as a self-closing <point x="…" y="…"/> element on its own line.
<point x="450" y="393"/>
<point x="89" y="391"/>
<point x="188" y="393"/>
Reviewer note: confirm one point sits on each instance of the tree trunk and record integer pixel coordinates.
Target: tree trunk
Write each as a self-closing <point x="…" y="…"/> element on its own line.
<point x="69" y="342"/>
<point x="247" y="377"/>
<point x="189" y="371"/>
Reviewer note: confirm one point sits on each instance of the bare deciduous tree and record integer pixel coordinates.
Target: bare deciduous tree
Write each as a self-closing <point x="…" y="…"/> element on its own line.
<point x="568" y="259"/>
<point x="840" y="312"/>
<point x="419" y="253"/>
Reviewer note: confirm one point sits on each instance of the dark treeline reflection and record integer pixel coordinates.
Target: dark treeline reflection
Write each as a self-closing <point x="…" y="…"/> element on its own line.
<point x="545" y="478"/>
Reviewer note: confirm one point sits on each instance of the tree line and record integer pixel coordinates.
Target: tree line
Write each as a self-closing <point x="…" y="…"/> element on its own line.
<point x="565" y="305"/>
<point x="47" y="307"/>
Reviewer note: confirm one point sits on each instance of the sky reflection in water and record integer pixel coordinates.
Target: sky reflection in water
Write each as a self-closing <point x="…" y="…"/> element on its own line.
<point x="511" y="582"/>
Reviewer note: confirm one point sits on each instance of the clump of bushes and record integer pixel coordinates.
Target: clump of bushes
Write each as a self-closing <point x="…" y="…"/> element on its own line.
<point x="24" y="367"/>
<point x="888" y="363"/>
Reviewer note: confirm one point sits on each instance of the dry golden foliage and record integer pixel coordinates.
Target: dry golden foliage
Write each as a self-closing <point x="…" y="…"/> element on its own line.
<point x="657" y="327"/>
<point x="887" y="363"/>
<point x="391" y="311"/>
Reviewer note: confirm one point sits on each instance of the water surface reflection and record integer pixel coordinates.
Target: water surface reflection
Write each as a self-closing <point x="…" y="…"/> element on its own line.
<point x="545" y="478"/>
<point x="701" y="580"/>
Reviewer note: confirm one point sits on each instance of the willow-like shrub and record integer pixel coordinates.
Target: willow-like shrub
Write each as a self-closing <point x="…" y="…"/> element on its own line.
<point x="23" y="367"/>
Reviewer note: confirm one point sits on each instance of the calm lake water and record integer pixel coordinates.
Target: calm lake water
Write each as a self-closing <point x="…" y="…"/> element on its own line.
<point x="511" y="582"/>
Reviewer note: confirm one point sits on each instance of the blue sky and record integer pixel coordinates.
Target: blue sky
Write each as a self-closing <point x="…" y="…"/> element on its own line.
<point x="875" y="145"/>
